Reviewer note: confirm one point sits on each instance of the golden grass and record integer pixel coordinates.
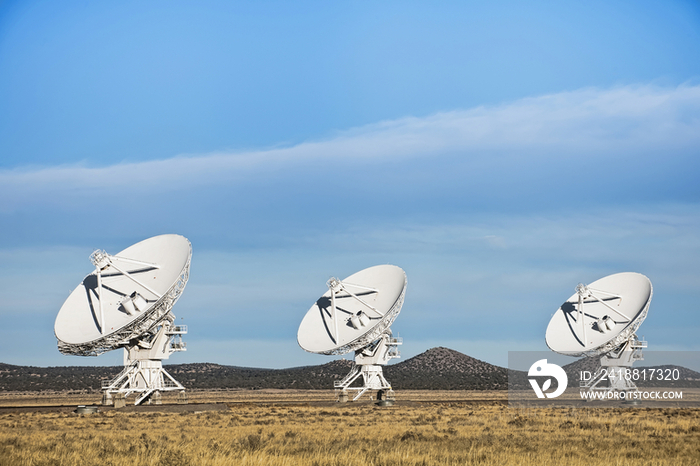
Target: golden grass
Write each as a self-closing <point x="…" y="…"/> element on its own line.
<point x="455" y="433"/>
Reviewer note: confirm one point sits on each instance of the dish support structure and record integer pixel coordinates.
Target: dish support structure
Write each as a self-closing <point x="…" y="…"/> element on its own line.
<point x="143" y="372"/>
<point x="368" y="365"/>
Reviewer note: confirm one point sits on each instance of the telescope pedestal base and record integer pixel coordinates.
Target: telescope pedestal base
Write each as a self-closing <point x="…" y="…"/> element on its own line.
<point x="146" y="378"/>
<point x="372" y="378"/>
<point x="368" y="364"/>
<point x="143" y="372"/>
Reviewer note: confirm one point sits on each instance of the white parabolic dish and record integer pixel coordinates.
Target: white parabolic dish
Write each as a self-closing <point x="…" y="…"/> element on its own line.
<point x="317" y="331"/>
<point x="625" y="301"/>
<point x="160" y="263"/>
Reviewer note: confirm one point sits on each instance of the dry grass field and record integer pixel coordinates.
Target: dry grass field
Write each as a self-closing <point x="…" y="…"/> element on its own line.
<point x="271" y="428"/>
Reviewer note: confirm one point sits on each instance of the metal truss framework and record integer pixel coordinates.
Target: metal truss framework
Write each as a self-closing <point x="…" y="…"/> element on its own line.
<point x="374" y="334"/>
<point x="628" y="334"/>
<point x="368" y="364"/>
<point x="143" y="369"/>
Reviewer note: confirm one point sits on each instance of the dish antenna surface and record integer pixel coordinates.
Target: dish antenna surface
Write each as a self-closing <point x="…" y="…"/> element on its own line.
<point x="601" y="319"/>
<point x="355" y="315"/>
<point x="126" y="302"/>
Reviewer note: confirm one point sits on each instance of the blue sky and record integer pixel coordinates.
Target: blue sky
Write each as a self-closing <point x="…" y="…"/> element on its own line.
<point x="499" y="153"/>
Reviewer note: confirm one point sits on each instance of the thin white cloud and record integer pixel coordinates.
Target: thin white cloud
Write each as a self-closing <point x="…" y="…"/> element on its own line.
<point x="590" y="122"/>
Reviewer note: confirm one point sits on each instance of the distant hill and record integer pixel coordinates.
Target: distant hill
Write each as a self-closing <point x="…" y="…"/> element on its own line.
<point x="28" y="378"/>
<point x="436" y="369"/>
<point x="445" y="369"/>
<point x="217" y="376"/>
<point x="192" y="376"/>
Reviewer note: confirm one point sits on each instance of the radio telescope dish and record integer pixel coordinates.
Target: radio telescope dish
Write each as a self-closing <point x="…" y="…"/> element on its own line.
<point x="355" y="315"/>
<point x="353" y="312"/>
<point x="601" y="319"/>
<point x="601" y="316"/>
<point x="126" y="303"/>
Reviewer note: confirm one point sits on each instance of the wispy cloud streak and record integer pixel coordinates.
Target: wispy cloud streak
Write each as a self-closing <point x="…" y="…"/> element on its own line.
<point x="590" y="123"/>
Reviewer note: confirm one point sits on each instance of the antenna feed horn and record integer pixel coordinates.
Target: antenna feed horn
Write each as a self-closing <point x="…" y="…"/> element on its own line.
<point x="582" y="290"/>
<point x="334" y="284"/>
<point x="99" y="259"/>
